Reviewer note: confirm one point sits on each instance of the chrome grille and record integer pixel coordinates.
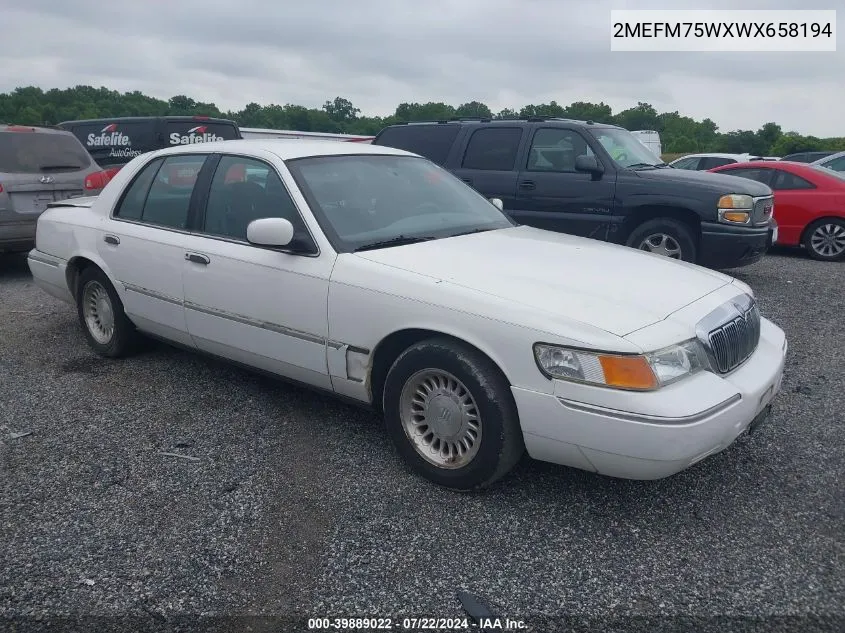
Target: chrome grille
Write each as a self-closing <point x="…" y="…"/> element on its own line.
<point x="763" y="210"/>
<point x="733" y="341"/>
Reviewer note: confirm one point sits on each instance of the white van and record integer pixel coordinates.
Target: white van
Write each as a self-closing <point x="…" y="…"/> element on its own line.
<point x="651" y="140"/>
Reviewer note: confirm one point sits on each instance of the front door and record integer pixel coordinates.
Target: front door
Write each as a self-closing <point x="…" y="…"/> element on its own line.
<point x="256" y="305"/>
<point x="143" y="244"/>
<point x="552" y="195"/>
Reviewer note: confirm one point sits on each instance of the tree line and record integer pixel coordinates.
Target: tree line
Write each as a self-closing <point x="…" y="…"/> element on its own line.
<point x="679" y="134"/>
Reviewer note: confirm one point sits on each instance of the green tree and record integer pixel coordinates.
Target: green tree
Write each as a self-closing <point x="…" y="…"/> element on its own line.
<point x="341" y="110"/>
<point x="473" y="109"/>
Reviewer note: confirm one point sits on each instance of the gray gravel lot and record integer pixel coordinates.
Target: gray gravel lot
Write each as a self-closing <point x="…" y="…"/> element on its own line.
<point x="297" y="504"/>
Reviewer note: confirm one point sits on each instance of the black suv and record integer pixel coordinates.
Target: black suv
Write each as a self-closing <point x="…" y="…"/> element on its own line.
<point x="114" y="142"/>
<point x="599" y="181"/>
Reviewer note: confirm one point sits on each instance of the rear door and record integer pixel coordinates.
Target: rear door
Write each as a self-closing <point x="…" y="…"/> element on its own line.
<point x="489" y="162"/>
<point x="115" y="142"/>
<point x="196" y="130"/>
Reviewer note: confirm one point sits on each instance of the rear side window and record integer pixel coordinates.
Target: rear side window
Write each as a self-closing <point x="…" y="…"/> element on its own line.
<point x="785" y="180"/>
<point x="837" y="164"/>
<point x="197" y="131"/>
<point x="709" y="162"/>
<point x="132" y="205"/>
<point x="40" y="152"/>
<point x="686" y="163"/>
<point x="493" y="149"/>
<point x="116" y="142"/>
<point x="431" y="141"/>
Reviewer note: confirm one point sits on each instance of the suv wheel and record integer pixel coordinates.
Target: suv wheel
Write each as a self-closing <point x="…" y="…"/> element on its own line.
<point x="825" y="239"/>
<point x="664" y="236"/>
<point x="451" y="415"/>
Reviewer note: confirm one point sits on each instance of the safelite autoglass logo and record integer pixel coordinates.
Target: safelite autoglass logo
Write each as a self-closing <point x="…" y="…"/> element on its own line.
<point x="199" y="134"/>
<point x="108" y="137"/>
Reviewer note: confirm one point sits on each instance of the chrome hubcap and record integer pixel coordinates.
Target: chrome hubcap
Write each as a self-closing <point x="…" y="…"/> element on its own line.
<point x="440" y="418"/>
<point x="829" y="240"/>
<point x="98" y="312"/>
<point x="662" y="244"/>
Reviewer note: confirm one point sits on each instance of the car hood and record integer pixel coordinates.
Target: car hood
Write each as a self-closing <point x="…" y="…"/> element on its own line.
<point x="615" y="288"/>
<point x="716" y="183"/>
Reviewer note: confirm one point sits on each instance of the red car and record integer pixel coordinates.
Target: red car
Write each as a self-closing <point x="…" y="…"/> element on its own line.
<point x="809" y="204"/>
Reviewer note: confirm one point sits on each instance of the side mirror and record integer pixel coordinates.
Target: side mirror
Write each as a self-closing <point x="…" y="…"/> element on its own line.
<point x="588" y="164"/>
<point x="270" y="232"/>
<point x="498" y="204"/>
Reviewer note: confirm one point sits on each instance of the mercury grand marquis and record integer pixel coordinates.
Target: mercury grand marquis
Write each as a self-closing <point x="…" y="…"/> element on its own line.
<point x="375" y="275"/>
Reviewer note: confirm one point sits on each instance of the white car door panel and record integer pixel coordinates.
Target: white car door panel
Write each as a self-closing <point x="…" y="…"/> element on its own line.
<point x="259" y="306"/>
<point x="143" y="245"/>
<point x="255" y="305"/>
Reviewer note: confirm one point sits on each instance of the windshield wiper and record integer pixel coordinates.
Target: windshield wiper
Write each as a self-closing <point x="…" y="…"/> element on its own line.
<point x="641" y="165"/>
<point x="46" y="167"/>
<point x="399" y="240"/>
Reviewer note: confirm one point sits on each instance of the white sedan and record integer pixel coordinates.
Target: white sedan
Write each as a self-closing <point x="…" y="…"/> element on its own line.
<point x="373" y="274"/>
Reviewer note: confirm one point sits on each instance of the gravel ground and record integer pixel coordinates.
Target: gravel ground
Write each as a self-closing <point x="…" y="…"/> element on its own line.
<point x="295" y="504"/>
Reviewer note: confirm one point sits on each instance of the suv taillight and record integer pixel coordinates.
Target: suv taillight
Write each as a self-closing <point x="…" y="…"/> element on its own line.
<point x="99" y="179"/>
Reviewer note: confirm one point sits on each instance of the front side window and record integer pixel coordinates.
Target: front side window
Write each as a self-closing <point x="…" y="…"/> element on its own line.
<point x="362" y="201"/>
<point x="169" y="196"/>
<point x="710" y="162"/>
<point x="687" y="163"/>
<point x="555" y="149"/>
<point x="624" y="148"/>
<point x="837" y="164"/>
<point x="492" y="149"/>
<point x="243" y="190"/>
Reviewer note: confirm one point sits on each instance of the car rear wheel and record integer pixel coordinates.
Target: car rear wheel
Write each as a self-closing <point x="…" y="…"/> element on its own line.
<point x="825" y="239"/>
<point x="109" y="332"/>
<point x="451" y="415"/>
<point x="664" y="236"/>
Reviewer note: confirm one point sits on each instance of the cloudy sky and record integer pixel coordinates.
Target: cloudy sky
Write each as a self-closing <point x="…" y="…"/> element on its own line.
<point x="378" y="53"/>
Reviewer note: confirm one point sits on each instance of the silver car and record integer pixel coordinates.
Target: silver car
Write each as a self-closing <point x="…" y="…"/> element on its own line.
<point x="38" y="165"/>
<point x="836" y="161"/>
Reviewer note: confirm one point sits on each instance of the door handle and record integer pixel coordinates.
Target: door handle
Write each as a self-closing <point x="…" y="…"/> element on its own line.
<point x="527" y="184"/>
<point x="197" y="258"/>
<point x="111" y="239"/>
<point x="467" y="180"/>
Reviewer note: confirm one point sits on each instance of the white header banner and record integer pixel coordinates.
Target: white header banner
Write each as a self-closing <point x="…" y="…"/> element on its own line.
<point x="723" y="31"/>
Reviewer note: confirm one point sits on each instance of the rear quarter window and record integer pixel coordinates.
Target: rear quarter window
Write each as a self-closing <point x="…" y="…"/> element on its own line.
<point x="39" y="152"/>
<point x="431" y="141"/>
<point x="197" y="131"/>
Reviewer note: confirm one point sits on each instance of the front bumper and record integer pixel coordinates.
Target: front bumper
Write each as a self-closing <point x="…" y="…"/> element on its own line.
<point x="724" y="246"/>
<point x="655" y="434"/>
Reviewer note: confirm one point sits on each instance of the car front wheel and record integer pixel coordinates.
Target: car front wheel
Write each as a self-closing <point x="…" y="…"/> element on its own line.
<point x="451" y="414"/>
<point x="109" y="332"/>
<point x="825" y="239"/>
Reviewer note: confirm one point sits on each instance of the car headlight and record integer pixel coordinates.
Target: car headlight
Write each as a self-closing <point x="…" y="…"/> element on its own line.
<point x="638" y="372"/>
<point x="735" y="208"/>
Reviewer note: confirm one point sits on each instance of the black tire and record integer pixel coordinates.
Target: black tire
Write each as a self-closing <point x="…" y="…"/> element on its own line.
<point x="124" y="337"/>
<point x="500" y="443"/>
<point x="678" y="231"/>
<point x="825" y="225"/>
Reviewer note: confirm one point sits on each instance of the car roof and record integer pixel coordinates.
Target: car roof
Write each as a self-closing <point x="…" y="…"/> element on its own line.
<point x="286" y="149"/>
<point x="511" y="122"/>
<point x="826" y="159"/>
<point x="127" y="119"/>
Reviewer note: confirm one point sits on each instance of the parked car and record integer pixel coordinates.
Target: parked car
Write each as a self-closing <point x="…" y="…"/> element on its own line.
<point x="598" y="181"/>
<point x="806" y="157"/>
<point x="373" y="274"/>
<point x="38" y="165"/>
<point x="114" y="142"/>
<point x="836" y="162"/>
<point x="809" y="204"/>
<point x="704" y="162"/>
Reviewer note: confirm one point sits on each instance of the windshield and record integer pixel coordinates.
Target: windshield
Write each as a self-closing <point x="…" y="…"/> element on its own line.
<point x="624" y="148"/>
<point x="362" y="201"/>
<point x="37" y="152"/>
